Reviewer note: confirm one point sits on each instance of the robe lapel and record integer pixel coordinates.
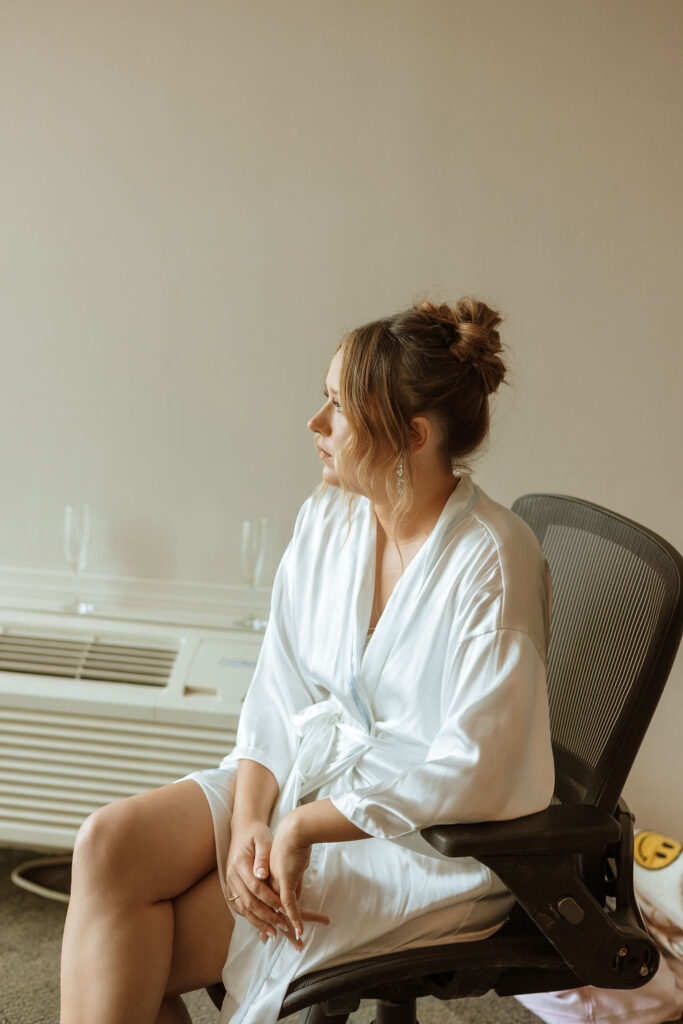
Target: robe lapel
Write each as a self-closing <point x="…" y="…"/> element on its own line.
<point x="360" y="552"/>
<point x="395" y="620"/>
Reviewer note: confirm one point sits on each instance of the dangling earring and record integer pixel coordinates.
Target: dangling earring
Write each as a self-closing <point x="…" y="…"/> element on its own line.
<point x="399" y="477"/>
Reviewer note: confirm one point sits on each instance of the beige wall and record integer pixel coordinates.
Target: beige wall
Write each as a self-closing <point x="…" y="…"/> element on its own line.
<point x="197" y="198"/>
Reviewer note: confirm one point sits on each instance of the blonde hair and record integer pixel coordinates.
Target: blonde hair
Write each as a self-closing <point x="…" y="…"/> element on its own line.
<point x="438" y="361"/>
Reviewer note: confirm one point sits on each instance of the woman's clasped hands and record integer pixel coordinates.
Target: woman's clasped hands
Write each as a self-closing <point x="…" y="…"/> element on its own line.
<point x="266" y="873"/>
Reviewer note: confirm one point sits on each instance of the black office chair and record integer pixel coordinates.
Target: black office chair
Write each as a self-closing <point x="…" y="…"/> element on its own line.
<point x="616" y="627"/>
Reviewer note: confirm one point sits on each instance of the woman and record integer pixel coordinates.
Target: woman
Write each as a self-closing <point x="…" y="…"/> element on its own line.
<point x="401" y="682"/>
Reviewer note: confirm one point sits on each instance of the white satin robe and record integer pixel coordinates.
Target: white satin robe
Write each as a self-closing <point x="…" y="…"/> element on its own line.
<point x="441" y="717"/>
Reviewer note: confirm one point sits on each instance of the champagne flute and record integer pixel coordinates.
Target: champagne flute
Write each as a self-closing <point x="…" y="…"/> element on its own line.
<point x="76" y="539"/>
<point x="253" y="556"/>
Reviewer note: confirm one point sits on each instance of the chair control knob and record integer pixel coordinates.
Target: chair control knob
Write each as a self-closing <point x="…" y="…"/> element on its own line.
<point x="569" y="909"/>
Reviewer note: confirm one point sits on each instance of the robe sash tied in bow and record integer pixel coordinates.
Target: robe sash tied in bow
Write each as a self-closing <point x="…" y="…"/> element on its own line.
<point x="331" y="743"/>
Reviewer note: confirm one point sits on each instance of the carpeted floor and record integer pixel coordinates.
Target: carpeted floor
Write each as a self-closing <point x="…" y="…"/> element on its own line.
<point x="30" y="940"/>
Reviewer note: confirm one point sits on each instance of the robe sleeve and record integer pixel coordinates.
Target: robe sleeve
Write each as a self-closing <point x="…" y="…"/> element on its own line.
<point x="492" y="757"/>
<point x="277" y="689"/>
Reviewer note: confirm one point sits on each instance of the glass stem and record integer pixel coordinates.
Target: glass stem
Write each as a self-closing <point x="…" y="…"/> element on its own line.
<point x="76" y="586"/>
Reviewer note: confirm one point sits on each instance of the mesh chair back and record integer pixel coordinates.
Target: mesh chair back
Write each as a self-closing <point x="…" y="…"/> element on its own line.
<point x="617" y="618"/>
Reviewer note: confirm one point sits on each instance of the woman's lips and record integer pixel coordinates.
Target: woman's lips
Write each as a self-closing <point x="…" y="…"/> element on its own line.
<point x="324" y="454"/>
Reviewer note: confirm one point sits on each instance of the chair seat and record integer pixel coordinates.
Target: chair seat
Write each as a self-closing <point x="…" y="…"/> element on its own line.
<point x="449" y="970"/>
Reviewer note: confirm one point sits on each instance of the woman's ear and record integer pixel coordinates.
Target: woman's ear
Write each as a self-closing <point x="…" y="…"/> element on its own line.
<point x="421" y="430"/>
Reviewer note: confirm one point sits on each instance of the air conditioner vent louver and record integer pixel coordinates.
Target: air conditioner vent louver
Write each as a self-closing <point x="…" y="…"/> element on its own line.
<point x="58" y="767"/>
<point x="98" y="709"/>
<point x="85" y="658"/>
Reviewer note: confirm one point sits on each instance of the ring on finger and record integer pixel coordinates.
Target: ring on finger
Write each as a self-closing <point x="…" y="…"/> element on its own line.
<point x="232" y="899"/>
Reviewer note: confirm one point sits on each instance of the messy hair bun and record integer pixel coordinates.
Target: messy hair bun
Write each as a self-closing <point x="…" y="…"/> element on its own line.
<point x="476" y="340"/>
<point x="439" y="361"/>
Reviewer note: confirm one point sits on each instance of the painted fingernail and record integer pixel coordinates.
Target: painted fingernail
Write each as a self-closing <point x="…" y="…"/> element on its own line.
<point x="260" y="873"/>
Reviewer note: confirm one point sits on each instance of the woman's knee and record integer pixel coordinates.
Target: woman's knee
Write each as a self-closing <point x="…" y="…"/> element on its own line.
<point x="104" y="838"/>
<point x="152" y="846"/>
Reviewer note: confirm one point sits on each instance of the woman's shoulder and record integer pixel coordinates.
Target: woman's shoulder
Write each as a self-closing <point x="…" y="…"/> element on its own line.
<point x="505" y="560"/>
<point x="485" y="533"/>
<point x="506" y="533"/>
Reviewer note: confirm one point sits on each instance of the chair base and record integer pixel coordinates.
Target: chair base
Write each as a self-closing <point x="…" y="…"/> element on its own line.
<point x="388" y="1012"/>
<point x="396" y="1013"/>
<point x="315" y="1015"/>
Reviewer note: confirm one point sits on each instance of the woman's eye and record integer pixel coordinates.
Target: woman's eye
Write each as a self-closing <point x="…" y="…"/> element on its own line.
<point x="335" y="403"/>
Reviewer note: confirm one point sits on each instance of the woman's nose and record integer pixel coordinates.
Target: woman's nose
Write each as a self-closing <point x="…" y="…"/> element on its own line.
<point x="317" y="422"/>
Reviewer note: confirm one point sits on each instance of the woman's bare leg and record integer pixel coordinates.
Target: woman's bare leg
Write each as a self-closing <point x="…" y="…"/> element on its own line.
<point x="132" y="859"/>
<point x="197" y="960"/>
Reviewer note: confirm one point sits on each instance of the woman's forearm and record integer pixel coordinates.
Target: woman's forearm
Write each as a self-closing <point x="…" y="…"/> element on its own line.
<point x="256" y="791"/>
<point x="321" y="822"/>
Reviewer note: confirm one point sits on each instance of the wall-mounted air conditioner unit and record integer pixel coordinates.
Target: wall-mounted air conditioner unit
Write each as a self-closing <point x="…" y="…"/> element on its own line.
<point x="91" y="711"/>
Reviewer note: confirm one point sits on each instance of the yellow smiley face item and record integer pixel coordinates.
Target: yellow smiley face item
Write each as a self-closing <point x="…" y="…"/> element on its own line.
<point x="653" y="851"/>
<point x="658" y="884"/>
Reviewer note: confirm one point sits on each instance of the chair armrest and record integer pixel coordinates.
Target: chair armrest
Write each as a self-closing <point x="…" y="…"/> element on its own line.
<point x="540" y="858"/>
<point x="560" y="828"/>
